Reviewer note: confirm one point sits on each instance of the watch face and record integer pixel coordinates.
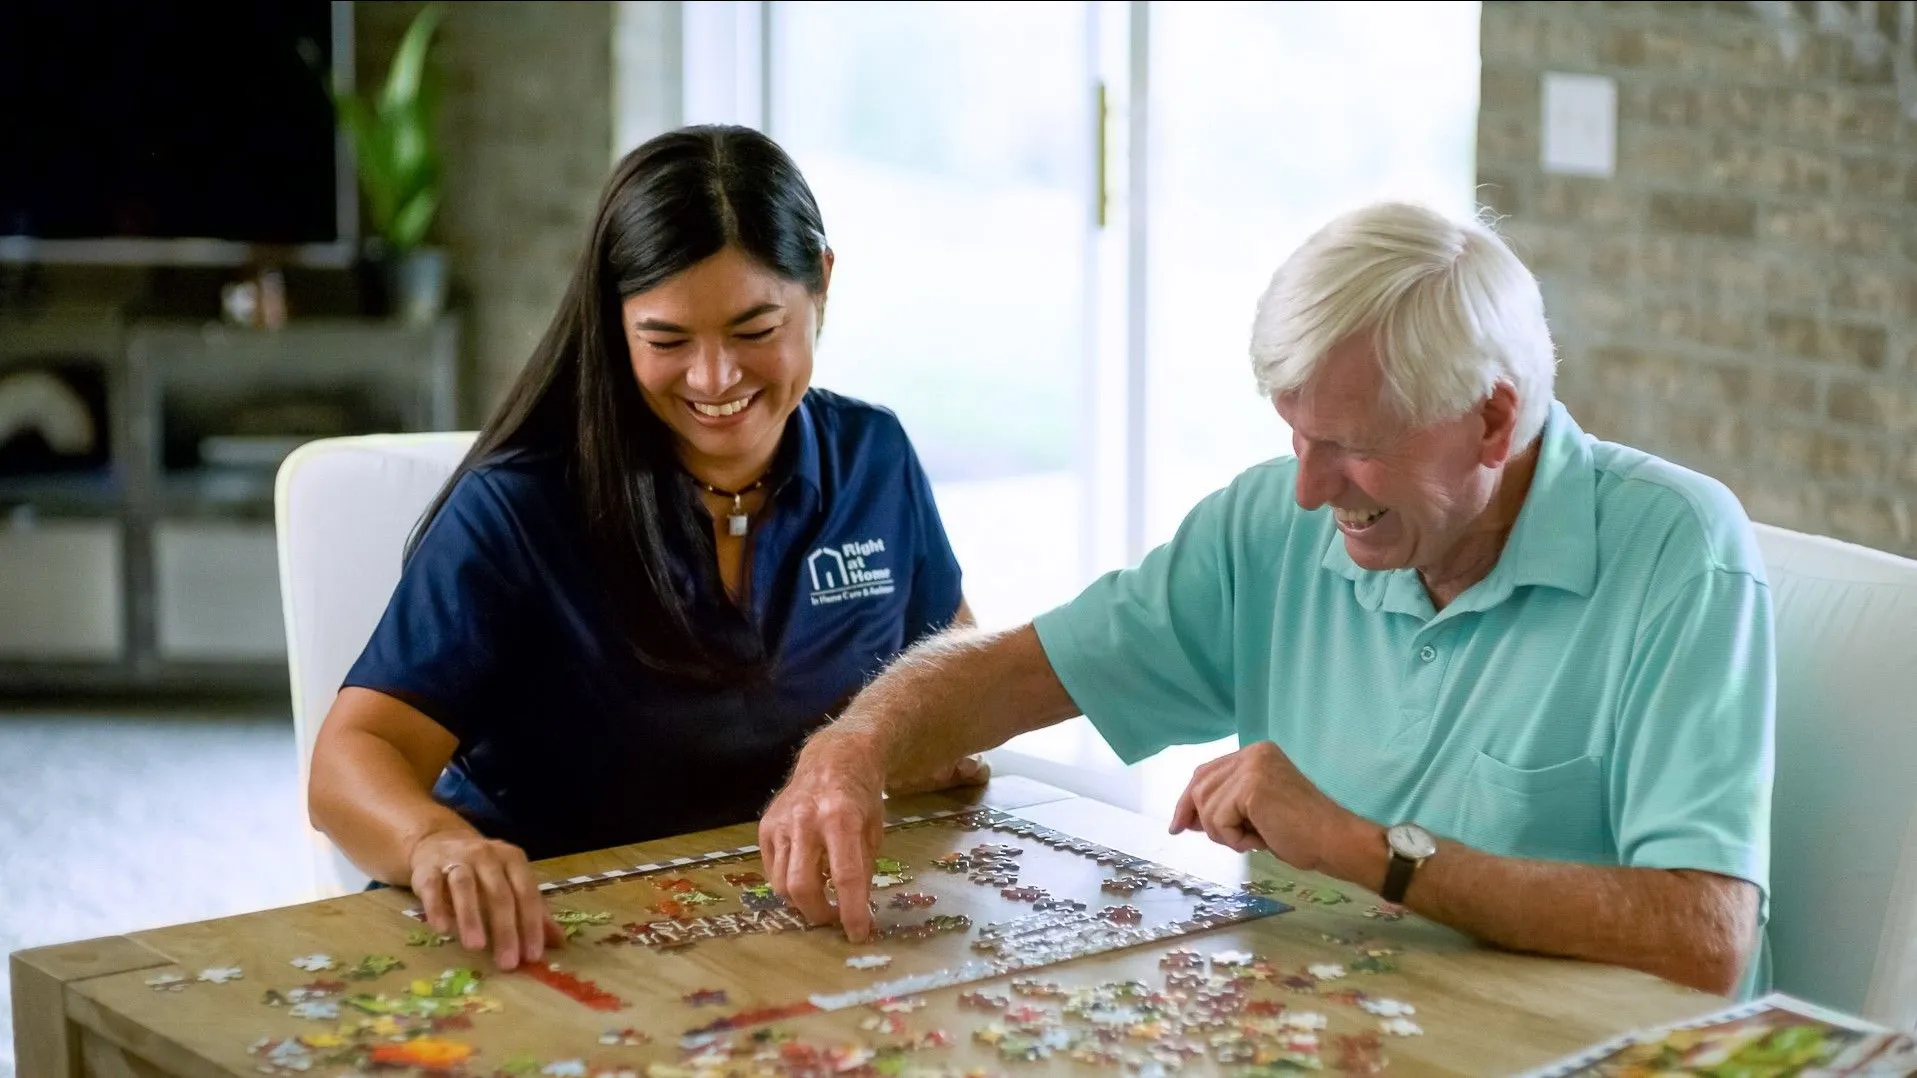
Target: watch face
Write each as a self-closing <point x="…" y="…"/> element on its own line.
<point x="1410" y="840"/>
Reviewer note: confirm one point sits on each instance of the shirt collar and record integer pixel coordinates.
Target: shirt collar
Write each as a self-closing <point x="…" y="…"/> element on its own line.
<point x="798" y="456"/>
<point x="1553" y="543"/>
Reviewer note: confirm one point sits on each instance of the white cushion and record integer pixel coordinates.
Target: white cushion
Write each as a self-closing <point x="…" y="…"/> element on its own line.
<point x="345" y="507"/>
<point x="1844" y="815"/>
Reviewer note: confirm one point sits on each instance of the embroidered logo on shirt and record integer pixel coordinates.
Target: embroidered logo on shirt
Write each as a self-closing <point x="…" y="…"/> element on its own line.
<point x="848" y="571"/>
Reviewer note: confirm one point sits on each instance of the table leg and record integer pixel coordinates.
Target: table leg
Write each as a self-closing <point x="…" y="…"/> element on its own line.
<point x="46" y="1042"/>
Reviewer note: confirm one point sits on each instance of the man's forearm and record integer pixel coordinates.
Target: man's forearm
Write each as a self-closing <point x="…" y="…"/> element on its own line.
<point x="961" y="692"/>
<point x="1691" y="927"/>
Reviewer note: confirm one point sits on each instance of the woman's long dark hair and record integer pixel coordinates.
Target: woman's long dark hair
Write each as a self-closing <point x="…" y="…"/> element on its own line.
<point x="671" y="203"/>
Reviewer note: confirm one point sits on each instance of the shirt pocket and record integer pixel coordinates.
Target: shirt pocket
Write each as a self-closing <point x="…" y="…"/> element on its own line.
<point x="1555" y="813"/>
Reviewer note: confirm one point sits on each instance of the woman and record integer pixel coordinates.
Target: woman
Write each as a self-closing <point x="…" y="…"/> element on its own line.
<point x="663" y="563"/>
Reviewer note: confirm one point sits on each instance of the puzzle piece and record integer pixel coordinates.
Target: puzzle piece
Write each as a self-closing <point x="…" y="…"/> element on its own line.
<point x="314" y="963"/>
<point x="1181" y="958"/>
<point x="912" y="900"/>
<point x="1401" y="1027"/>
<point x="715" y="997"/>
<point x="868" y="961"/>
<point x="220" y="974"/>
<point x="743" y="879"/>
<point x="372" y="967"/>
<point x="628" y="1038"/>
<point x="1121" y="915"/>
<point x="759" y="896"/>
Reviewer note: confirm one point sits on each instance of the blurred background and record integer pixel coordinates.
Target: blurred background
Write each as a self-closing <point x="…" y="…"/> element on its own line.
<point x="1051" y="219"/>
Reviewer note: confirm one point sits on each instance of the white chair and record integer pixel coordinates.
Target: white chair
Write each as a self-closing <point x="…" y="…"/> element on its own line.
<point x="344" y="507"/>
<point x="1843" y="927"/>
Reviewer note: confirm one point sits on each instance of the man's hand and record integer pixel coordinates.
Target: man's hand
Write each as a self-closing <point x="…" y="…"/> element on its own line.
<point x="1256" y="799"/>
<point x="827" y="823"/>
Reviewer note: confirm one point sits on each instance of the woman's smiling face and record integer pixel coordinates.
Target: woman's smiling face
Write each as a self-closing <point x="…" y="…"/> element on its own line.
<point x="723" y="354"/>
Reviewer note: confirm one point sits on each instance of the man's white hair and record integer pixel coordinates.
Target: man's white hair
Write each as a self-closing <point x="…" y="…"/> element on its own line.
<point x="1451" y="311"/>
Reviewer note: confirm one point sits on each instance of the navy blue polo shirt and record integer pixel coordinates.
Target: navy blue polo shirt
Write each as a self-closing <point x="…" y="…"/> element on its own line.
<point x="500" y="632"/>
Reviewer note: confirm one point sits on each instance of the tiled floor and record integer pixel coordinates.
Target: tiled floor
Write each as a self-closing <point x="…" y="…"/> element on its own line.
<point x="115" y="822"/>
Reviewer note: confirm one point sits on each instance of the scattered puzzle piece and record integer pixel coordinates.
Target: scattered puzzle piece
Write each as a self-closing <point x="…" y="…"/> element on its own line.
<point x="912" y="900"/>
<point x="1401" y="1027"/>
<point x="314" y="963"/>
<point x="983" y="1001"/>
<point x="629" y="1038"/>
<point x="1385" y="911"/>
<point x="1325" y="971"/>
<point x="868" y="961"/>
<point x="220" y="974"/>
<point x="1388" y="1008"/>
<point x="371" y="967"/>
<point x="1121" y="915"/>
<point x="426" y="1053"/>
<point x="426" y="937"/>
<point x="891" y="1025"/>
<point x="715" y="997"/>
<point x="743" y="879"/>
<point x="1232" y="958"/>
<point x="1182" y="958"/>
<point x="167" y="982"/>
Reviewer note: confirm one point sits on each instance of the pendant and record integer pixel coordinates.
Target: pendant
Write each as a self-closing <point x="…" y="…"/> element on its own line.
<point x="736" y="523"/>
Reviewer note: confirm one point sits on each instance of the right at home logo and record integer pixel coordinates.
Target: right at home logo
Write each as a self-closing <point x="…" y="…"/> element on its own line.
<point x="848" y="572"/>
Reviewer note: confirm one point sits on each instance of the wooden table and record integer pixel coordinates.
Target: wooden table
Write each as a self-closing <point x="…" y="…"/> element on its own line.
<point x="86" y="1009"/>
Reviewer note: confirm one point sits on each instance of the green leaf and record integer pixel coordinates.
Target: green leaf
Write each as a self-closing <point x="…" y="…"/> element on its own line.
<point x="412" y="220"/>
<point x="403" y="80"/>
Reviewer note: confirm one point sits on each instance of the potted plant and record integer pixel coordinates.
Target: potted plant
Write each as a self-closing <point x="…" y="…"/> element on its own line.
<point x="393" y="138"/>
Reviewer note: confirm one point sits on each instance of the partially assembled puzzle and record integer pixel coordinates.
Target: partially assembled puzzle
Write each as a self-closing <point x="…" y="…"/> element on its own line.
<point x="694" y="968"/>
<point x="1095" y="900"/>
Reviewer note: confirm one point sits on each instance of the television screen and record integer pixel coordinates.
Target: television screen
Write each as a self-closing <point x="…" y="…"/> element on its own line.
<point x="168" y="120"/>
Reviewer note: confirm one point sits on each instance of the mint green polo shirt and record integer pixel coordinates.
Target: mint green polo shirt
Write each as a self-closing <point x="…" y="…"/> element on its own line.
<point x="1604" y="695"/>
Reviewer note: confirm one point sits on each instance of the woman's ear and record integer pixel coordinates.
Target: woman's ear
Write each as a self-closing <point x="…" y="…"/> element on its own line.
<point x="825" y="286"/>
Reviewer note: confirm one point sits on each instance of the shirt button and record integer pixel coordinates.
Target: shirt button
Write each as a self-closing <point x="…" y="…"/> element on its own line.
<point x="1427" y="653"/>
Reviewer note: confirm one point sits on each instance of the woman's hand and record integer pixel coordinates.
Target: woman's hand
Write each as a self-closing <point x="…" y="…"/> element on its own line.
<point x="480" y="889"/>
<point x="967" y="771"/>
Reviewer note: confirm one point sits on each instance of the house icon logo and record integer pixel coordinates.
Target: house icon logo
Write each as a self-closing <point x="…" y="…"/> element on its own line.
<point x="828" y="569"/>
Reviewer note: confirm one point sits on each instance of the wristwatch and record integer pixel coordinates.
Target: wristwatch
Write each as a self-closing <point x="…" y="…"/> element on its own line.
<point x="1410" y="845"/>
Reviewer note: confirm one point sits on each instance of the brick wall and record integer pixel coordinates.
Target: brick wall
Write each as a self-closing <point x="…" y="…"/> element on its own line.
<point x="1742" y="296"/>
<point x="527" y="140"/>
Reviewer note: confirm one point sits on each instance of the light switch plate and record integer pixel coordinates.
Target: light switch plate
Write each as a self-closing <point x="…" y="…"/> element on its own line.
<point x="1580" y="124"/>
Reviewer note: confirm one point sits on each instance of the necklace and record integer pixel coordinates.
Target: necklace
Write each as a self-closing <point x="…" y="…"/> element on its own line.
<point x="736" y="519"/>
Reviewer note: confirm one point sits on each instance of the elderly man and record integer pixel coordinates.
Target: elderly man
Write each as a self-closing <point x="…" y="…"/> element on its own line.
<point x="1480" y="662"/>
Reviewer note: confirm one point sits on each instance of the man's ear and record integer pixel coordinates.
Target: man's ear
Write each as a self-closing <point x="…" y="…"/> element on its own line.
<point x="1500" y="412"/>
